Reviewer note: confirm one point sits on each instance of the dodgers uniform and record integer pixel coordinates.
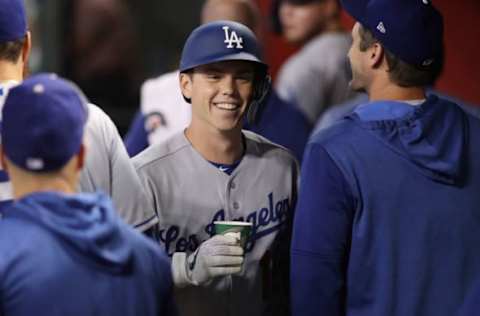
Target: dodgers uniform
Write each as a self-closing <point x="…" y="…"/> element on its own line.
<point x="109" y="169"/>
<point x="189" y="193"/>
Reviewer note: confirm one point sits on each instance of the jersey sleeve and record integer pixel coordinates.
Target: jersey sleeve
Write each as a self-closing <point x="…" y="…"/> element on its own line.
<point x="321" y="237"/>
<point x="109" y="169"/>
<point x="136" y="138"/>
<point x="294" y="85"/>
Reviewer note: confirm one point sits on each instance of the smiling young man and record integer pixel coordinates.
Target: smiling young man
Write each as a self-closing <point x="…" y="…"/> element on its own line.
<point x="216" y="171"/>
<point x="223" y="90"/>
<point x="164" y="112"/>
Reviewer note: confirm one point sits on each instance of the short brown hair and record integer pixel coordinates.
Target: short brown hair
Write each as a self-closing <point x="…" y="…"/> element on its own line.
<point x="400" y="72"/>
<point x="10" y="51"/>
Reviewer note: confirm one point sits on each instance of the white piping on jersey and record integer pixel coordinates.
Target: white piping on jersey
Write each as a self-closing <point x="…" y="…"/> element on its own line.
<point x="6" y="191"/>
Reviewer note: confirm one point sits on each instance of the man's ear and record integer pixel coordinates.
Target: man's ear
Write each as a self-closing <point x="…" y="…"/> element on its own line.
<point x="3" y="161"/>
<point x="186" y="85"/>
<point x="81" y="157"/>
<point x="376" y="53"/>
<point x="27" y="47"/>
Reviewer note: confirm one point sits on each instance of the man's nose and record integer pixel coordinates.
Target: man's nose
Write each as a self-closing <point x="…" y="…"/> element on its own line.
<point x="228" y="85"/>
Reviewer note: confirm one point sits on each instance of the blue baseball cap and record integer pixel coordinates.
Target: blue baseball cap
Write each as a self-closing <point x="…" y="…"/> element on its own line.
<point x="43" y="121"/>
<point x="13" y="20"/>
<point x="220" y="41"/>
<point x="411" y="29"/>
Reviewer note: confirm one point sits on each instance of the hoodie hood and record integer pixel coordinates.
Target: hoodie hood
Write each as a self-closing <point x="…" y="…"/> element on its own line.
<point x="86" y="223"/>
<point x="432" y="136"/>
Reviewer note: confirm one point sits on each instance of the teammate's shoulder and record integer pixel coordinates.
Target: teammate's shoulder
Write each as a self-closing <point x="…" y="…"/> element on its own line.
<point x="95" y="110"/>
<point x="262" y="146"/>
<point x="339" y="131"/>
<point x="97" y="116"/>
<point x="99" y="127"/>
<point x="165" y="150"/>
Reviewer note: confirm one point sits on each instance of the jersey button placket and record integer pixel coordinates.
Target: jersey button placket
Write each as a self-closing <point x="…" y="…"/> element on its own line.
<point x="233" y="204"/>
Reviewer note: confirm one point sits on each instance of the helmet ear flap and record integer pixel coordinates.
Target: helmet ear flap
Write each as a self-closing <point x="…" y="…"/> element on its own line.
<point x="260" y="95"/>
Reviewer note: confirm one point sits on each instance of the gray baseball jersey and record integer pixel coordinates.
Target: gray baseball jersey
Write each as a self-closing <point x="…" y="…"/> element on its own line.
<point x="189" y="194"/>
<point x="108" y="168"/>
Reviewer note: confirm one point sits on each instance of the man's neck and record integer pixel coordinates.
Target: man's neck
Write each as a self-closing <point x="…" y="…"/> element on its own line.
<point x="390" y="91"/>
<point x="334" y="26"/>
<point x="58" y="185"/>
<point x="215" y="146"/>
<point x="10" y="71"/>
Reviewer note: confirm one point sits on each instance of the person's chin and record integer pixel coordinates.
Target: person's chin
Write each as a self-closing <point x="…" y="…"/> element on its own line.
<point x="292" y="37"/>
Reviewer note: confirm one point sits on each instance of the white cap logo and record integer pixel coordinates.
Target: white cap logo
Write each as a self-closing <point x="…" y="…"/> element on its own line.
<point x="426" y="2"/>
<point x="381" y="28"/>
<point x="38" y="88"/>
<point x="427" y="62"/>
<point x="35" y="163"/>
<point x="232" y="38"/>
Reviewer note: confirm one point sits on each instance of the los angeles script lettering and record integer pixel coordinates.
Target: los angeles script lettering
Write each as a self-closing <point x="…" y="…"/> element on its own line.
<point x="265" y="221"/>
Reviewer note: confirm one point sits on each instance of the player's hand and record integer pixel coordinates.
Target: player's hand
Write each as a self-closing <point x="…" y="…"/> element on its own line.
<point x="218" y="256"/>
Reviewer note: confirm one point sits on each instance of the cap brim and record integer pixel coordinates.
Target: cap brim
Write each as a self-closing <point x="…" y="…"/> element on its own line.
<point x="238" y="56"/>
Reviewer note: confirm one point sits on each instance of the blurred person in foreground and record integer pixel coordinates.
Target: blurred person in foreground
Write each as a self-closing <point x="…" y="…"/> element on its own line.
<point x="388" y="219"/>
<point x="62" y="252"/>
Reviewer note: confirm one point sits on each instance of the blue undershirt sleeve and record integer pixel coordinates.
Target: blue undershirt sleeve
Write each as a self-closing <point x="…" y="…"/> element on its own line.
<point x="136" y="138"/>
<point x="321" y="237"/>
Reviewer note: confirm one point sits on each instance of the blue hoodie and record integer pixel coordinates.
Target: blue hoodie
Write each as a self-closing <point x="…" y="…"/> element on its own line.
<point x="71" y="255"/>
<point x="388" y="217"/>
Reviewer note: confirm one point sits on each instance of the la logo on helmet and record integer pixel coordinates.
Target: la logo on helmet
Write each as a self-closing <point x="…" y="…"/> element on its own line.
<point x="232" y="38"/>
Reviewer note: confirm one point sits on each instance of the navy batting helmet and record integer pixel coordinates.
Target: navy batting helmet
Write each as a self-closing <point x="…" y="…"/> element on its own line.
<point x="227" y="40"/>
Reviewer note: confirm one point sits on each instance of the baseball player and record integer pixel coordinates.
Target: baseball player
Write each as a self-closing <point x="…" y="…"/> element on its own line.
<point x="388" y="217"/>
<point x="63" y="253"/>
<point x="164" y="112"/>
<point x="107" y="167"/>
<point x="316" y="77"/>
<point x="214" y="171"/>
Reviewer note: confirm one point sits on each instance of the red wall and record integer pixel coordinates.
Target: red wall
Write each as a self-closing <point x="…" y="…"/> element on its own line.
<point x="461" y="77"/>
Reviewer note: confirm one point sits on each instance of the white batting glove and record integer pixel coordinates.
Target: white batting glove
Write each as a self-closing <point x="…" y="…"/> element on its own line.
<point x="218" y="256"/>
